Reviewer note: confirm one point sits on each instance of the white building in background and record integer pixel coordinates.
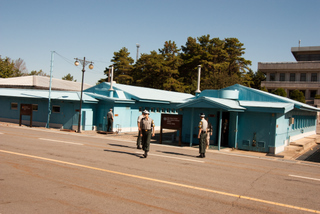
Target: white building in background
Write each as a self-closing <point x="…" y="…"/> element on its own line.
<point x="303" y="75"/>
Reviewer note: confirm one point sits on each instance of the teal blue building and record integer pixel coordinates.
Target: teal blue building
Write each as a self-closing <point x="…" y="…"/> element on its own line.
<point x="127" y="103"/>
<point x="242" y="117"/>
<point x="248" y="119"/>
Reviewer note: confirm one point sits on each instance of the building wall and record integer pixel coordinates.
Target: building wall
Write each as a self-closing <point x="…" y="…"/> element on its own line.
<point x="258" y="127"/>
<point x="126" y="114"/>
<point x="66" y="118"/>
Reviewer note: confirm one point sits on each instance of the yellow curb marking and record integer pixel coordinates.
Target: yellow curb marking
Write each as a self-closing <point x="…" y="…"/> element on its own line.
<point x="167" y="182"/>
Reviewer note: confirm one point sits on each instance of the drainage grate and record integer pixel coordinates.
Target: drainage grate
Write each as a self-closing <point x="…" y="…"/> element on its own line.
<point x="312" y="155"/>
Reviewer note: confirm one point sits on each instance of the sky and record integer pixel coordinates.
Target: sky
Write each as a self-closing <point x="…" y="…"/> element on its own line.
<point x="95" y="29"/>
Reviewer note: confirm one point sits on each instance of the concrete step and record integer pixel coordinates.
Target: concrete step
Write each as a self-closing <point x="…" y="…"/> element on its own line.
<point x="294" y="148"/>
<point x="306" y="142"/>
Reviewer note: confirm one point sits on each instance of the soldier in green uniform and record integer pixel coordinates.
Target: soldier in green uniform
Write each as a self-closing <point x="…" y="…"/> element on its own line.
<point x="202" y="136"/>
<point x="139" y="133"/>
<point x="146" y="126"/>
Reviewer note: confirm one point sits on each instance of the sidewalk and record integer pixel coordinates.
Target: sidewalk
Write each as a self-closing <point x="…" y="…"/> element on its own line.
<point x="292" y="152"/>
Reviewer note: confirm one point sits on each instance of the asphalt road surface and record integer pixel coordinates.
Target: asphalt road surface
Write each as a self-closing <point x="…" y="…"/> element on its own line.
<point x="44" y="171"/>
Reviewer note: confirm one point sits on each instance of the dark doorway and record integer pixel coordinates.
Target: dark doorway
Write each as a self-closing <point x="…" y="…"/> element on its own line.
<point x="224" y="129"/>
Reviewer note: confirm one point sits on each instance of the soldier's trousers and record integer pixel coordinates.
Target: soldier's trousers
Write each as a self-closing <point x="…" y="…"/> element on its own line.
<point x="139" y="139"/>
<point x="146" y="136"/>
<point x="203" y="143"/>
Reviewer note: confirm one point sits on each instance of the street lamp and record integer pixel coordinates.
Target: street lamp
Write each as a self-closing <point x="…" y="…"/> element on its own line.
<point x="84" y="63"/>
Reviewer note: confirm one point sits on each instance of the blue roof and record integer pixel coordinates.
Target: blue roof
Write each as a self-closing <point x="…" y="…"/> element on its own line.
<point x="210" y="102"/>
<point x="267" y="106"/>
<point x="44" y="94"/>
<point x="251" y="94"/>
<point x="245" y="99"/>
<point x="141" y="94"/>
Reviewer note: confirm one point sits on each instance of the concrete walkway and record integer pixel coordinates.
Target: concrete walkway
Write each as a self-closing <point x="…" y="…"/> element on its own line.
<point x="292" y="152"/>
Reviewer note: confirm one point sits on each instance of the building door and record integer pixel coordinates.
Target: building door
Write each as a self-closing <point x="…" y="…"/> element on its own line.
<point x="224" y="129"/>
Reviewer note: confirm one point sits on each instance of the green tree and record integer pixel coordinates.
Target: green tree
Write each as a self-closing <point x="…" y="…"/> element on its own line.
<point x="8" y="69"/>
<point x="122" y="67"/>
<point x="280" y="92"/>
<point x="297" y="95"/>
<point x="68" y="77"/>
<point x="258" y="77"/>
<point x="148" y="70"/>
<point x="248" y="79"/>
<point x="220" y="59"/>
<point x="38" y="73"/>
<point x="172" y="62"/>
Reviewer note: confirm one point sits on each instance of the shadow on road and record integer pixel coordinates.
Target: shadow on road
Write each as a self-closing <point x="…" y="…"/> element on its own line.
<point x="122" y="152"/>
<point x="119" y="145"/>
<point x="175" y="153"/>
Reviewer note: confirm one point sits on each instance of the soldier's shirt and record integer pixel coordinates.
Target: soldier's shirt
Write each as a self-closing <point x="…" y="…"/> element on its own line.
<point x="203" y="125"/>
<point x="140" y="118"/>
<point x="109" y="115"/>
<point x="146" y="123"/>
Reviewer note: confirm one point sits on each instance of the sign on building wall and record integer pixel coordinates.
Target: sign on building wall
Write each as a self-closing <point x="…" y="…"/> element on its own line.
<point x="25" y="109"/>
<point x="171" y="121"/>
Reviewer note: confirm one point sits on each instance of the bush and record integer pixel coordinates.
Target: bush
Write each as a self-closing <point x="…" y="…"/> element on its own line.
<point x="298" y="96"/>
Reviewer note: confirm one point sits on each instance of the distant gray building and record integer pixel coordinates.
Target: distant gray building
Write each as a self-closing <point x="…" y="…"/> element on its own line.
<point x="304" y="74"/>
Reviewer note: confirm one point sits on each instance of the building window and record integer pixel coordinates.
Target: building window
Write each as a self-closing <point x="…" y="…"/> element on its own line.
<point x="140" y="109"/>
<point x="55" y="109"/>
<point x="34" y="107"/>
<point x="313" y="93"/>
<point x="272" y="77"/>
<point x="282" y="77"/>
<point x="292" y="77"/>
<point x="152" y="109"/>
<point x="162" y="110"/>
<point x="14" y="106"/>
<point x="303" y="77"/>
<point x="314" y="77"/>
<point x="158" y="110"/>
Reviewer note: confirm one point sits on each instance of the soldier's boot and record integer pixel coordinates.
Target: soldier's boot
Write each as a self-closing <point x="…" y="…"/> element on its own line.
<point x="145" y="154"/>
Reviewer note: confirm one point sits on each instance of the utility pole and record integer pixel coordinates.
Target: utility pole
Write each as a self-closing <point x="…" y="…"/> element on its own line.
<point x="137" y="57"/>
<point x="49" y="101"/>
<point x="84" y="63"/>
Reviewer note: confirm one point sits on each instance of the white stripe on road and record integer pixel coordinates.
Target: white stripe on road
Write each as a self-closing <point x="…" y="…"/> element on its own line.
<point x="60" y="141"/>
<point x="186" y="159"/>
<point x="297" y="176"/>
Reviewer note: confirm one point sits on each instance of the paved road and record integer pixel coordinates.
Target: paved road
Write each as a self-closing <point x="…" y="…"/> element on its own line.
<point x="45" y="171"/>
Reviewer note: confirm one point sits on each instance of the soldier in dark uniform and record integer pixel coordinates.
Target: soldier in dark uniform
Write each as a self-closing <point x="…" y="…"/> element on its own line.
<point x="110" y="121"/>
<point x="202" y="136"/>
<point x="146" y="126"/>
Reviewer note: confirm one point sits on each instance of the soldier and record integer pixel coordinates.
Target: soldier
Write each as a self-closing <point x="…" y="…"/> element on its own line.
<point x="146" y="126"/>
<point x="209" y="132"/>
<point x="202" y="136"/>
<point x="139" y="134"/>
<point x="110" y="120"/>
